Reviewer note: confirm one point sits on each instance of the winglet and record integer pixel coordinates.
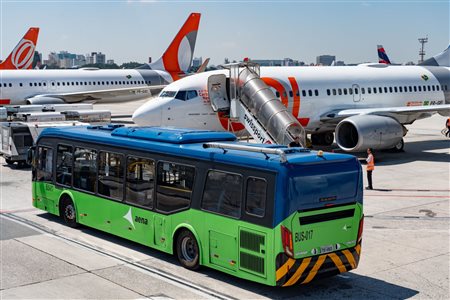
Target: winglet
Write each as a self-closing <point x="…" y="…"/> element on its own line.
<point x="442" y="59"/>
<point x="22" y="55"/>
<point x="202" y="68"/>
<point x="177" y="58"/>
<point x="382" y="56"/>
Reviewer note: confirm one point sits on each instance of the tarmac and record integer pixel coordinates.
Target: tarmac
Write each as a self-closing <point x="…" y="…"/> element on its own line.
<point x="405" y="252"/>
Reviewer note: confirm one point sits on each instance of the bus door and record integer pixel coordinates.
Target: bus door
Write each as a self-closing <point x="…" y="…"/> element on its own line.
<point x="134" y="220"/>
<point x="43" y="189"/>
<point x="222" y="197"/>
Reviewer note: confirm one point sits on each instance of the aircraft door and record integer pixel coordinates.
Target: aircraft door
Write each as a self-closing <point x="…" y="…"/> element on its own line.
<point x="356" y="93"/>
<point x="218" y="92"/>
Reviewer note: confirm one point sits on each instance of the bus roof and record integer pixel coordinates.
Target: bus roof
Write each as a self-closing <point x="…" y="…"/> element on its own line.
<point x="171" y="141"/>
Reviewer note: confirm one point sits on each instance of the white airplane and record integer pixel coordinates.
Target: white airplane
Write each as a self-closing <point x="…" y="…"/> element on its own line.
<point x="21" y="58"/>
<point x="364" y="106"/>
<point x="95" y="85"/>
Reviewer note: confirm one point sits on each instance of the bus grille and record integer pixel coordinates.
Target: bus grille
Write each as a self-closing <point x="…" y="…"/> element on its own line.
<point x="348" y="213"/>
<point x="251" y="241"/>
<point x="252" y="262"/>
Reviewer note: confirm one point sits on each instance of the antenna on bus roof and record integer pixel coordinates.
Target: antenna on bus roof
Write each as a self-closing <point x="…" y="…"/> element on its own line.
<point x="263" y="150"/>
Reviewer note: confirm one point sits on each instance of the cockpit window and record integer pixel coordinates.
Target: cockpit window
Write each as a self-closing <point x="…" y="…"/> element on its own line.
<point x="181" y="95"/>
<point x="168" y="94"/>
<point x="186" y="95"/>
<point x="191" y="94"/>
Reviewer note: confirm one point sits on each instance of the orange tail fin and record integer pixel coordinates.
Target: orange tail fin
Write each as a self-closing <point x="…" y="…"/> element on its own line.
<point x="22" y="55"/>
<point x="178" y="57"/>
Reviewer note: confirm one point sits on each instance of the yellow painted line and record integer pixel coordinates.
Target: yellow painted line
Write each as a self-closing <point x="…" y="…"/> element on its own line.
<point x="350" y="258"/>
<point x="314" y="270"/>
<point x="337" y="261"/>
<point x="299" y="272"/>
<point x="285" y="268"/>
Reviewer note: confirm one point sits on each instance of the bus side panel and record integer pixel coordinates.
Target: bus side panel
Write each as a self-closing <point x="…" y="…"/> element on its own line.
<point x="92" y="211"/>
<point x="44" y="194"/>
<point x="232" y="246"/>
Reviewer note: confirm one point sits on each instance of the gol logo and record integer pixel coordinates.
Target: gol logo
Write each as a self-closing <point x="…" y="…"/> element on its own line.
<point x="22" y="56"/>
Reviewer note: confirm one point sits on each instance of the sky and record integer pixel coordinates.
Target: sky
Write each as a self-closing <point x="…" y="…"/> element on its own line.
<point x="133" y="30"/>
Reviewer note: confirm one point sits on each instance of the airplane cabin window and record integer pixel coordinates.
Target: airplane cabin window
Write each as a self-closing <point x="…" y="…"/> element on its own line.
<point x="395" y="89"/>
<point x="350" y="91"/>
<point x="277" y="94"/>
<point x="334" y="92"/>
<point x="181" y="95"/>
<point x="304" y="93"/>
<point x="385" y="89"/>
<point x="21" y="84"/>
<point x="345" y="91"/>
<point x="10" y="85"/>
<point x="437" y="88"/>
<point x="340" y="91"/>
<point x="328" y="92"/>
<point x="419" y="88"/>
<point x="73" y="83"/>
<point x="291" y="94"/>
<point x="390" y="89"/>
<point x="363" y="90"/>
<point x="356" y="91"/>
<point x="401" y="89"/>
<point x="424" y="88"/>
<point x="316" y="92"/>
<point x="57" y="83"/>
<point x="374" y="90"/>
<point x="44" y="83"/>
<point x="369" y="90"/>
<point x="310" y="93"/>
<point x="35" y="84"/>
<point x="380" y="90"/>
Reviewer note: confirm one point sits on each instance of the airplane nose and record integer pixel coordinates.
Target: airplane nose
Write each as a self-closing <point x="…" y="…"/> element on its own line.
<point x="149" y="114"/>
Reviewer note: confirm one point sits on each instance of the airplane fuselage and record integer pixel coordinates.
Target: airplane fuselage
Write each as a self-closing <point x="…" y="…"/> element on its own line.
<point x="311" y="94"/>
<point x="20" y="85"/>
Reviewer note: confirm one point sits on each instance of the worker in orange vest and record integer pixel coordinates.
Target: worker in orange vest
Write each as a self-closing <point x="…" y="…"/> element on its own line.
<point x="370" y="167"/>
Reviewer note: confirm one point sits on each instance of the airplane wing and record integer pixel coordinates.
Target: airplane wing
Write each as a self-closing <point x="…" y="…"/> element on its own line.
<point x="96" y="96"/>
<point x="403" y="114"/>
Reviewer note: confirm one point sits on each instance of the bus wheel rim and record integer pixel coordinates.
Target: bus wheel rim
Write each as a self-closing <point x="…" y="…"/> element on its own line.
<point x="188" y="249"/>
<point x="69" y="212"/>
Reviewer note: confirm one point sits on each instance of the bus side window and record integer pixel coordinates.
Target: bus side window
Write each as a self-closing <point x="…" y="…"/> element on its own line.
<point x="140" y="181"/>
<point x="44" y="164"/>
<point x="174" y="186"/>
<point x="85" y="169"/>
<point x="64" y="165"/>
<point x="223" y="193"/>
<point x="110" y="175"/>
<point x="255" y="203"/>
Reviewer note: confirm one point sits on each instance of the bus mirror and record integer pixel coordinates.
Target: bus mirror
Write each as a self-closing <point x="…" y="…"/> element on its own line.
<point x="30" y="160"/>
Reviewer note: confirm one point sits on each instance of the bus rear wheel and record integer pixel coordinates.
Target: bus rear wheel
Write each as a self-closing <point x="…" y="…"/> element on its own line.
<point x="67" y="212"/>
<point x="187" y="250"/>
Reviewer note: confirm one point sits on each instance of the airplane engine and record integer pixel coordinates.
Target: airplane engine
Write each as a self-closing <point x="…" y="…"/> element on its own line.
<point x="44" y="100"/>
<point x="358" y="133"/>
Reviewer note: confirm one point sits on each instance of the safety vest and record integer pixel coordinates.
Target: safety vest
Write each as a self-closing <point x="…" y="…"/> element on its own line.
<point x="370" y="162"/>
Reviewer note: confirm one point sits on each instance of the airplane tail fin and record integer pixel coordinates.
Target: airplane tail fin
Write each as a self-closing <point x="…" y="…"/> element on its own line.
<point x="22" y="55"/>
<point x="442" y="59"/>
<point x="177" y="58"/>
<point x="382" y="56"/>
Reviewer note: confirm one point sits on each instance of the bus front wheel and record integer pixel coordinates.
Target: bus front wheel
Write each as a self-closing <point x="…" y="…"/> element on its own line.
<point x="187" y="250"/>
<point x="68" y="212"/>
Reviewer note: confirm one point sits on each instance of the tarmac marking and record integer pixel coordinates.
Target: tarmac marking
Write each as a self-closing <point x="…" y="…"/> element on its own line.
<point x="173" y="279"/>
<point x="17" y="211"/>
<point x="408" y="196"/>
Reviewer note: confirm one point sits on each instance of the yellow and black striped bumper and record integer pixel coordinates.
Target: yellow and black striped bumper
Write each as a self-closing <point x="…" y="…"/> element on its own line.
<point x="290" y="271"/>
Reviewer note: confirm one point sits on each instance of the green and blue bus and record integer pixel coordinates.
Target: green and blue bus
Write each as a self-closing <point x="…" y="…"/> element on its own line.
<point x="267" y="213"/>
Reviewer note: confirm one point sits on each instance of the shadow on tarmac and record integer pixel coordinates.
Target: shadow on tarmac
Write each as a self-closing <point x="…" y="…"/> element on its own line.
<point x="347" y="285"/>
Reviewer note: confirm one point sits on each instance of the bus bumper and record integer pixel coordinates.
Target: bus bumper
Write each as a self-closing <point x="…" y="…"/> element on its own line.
<point x="291" y="271"/>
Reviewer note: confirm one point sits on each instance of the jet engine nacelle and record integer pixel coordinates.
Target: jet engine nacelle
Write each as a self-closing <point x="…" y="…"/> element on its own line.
<point x="44" y="100"/>
<point x="358" y="133"/>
